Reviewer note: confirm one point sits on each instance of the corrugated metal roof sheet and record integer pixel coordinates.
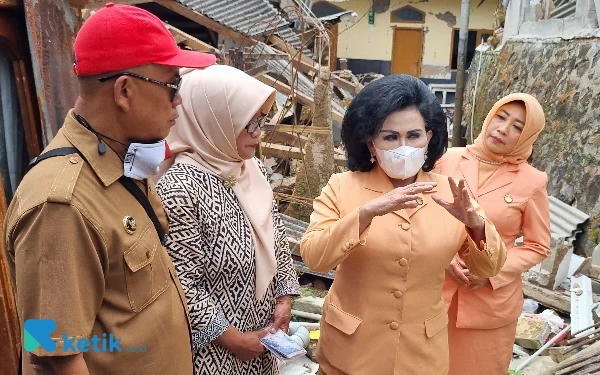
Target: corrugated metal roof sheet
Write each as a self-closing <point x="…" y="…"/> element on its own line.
<point x="248" y="17"/>
<point x="294" y="228"/>
<point x="281" y="68"/>
<point x="565" y="220"/>
<point x="335" y="16"/>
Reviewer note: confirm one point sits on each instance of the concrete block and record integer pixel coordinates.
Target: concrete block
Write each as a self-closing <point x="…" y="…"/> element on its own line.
<point x="313" y="305"/>
<point x="556" y="353"/>
<point x="532" y="333"/>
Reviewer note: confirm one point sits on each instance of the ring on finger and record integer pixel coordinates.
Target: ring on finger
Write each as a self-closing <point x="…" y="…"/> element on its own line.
<point x="419" y="201"/>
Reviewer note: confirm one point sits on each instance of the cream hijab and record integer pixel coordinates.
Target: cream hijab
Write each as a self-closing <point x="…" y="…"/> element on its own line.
<point x="534" y="124"/>
<point x="218" y="102"/>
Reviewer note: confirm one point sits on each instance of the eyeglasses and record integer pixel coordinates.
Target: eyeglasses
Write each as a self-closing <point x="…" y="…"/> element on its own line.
<point x="256" y="124"/>
<point x="173" y="86"/>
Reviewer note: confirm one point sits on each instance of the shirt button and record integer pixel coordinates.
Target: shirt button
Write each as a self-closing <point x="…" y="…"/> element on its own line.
<point x="351" y="243"/>
<point x="394" y="325"/>
<point x="405" y="226"/>
<point x="403" y="262"/>
<point x="148" y="254"/>
<point x="74" y="160"/>
<point x="398" y="294"/>
<point x="348" y="245"/>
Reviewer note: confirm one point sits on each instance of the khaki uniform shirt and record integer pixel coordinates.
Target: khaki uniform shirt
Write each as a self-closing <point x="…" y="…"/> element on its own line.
<point x="72" y="261"/>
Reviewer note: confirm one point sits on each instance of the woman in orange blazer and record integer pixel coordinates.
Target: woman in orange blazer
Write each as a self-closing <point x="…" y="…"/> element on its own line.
<point x="513" y="195"/>
<point x="390" y="229"/>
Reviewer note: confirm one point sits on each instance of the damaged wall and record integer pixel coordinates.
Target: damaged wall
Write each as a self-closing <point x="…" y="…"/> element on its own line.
<point x="564" y="75"/>
<point x="370" y="46"/>
<point x="51" y="27"/>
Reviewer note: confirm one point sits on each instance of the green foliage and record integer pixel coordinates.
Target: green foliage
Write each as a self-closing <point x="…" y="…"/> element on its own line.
<point x="307" y="292"/>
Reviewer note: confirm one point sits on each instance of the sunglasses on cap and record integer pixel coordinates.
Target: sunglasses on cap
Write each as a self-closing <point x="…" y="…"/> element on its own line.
<point x="173" y="86"/>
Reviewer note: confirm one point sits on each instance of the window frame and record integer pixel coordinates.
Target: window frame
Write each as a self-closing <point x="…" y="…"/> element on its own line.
<point x="403" y="21"/>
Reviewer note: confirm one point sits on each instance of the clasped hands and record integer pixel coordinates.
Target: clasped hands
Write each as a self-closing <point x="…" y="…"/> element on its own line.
<point x="458" y="270"/>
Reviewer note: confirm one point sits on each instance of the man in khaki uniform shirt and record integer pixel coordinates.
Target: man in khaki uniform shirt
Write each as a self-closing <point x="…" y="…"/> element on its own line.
<point x="83" y="251"/>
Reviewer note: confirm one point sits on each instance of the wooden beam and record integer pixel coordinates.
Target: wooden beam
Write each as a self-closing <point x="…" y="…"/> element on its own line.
<point x="547" y="297"/>
<point x="300" y="129"/>
<point x="207" y="22"/>
<point x="258" y="71"/>
<point x="284" y="138"/>
<point x="192" y="42"/>
<point x="267" y="56"/>
<point x="287" y="90"/>
<point x="283" y="152"/>
<point x="345" y="84"/>
<point x="301" y="62"/>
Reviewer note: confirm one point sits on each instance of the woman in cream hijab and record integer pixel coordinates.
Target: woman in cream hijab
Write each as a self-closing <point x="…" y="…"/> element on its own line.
<point x="226" y="239"/>
<point x="483" y="313"/>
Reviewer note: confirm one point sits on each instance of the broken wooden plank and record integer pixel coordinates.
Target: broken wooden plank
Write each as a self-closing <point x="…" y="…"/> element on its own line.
<point x="547" y="297"/>
<point x="282" y="152"/>
<point x="302" y="98"/>
<point x="207" y="22"/>
<point x="577" y="366"/>
<point x="345" y="84"/>
<point x="267" y="56"/>
<point x="258" y="71"/>
<point x="301" y="62"/>
<point x="303" y="129"/>
<point x="276" y="137"/>
<point x="192" y="42"/>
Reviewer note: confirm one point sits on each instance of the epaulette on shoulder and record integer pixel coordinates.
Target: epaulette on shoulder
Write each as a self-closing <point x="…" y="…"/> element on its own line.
<point x="65" y="180"/>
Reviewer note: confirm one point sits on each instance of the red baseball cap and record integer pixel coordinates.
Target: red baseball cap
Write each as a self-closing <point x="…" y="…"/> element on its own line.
<point x="118" y="37"/>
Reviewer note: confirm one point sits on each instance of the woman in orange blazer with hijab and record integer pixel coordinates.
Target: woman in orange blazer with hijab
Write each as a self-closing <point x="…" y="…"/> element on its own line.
<point x="483" y="312"/>
<point x="388" y="227"/>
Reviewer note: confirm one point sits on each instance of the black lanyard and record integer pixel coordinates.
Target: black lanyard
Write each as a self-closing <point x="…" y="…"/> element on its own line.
<point x="127" y="183"/>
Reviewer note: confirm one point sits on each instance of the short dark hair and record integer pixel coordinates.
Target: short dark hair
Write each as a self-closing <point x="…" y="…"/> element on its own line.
<point x="368" y="110"/>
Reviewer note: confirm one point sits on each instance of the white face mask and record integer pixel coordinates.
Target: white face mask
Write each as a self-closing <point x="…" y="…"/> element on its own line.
<point x="403" y="162"/>
<point x="142" y="159"/>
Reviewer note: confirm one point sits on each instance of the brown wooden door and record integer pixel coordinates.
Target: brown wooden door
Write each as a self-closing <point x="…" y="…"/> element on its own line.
<point x="333" y="43"/>
<point x="407" y="51"/>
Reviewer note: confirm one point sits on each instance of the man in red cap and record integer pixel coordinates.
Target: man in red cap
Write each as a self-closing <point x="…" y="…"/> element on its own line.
<point x="96" y="291"/>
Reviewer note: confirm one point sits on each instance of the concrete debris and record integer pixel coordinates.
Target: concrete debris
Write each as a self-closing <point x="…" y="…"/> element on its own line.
<point x="558" y="354"/>
<point x="532" y="333"/>
<point x="309" y="304"/>
<point x="585" y="362"/>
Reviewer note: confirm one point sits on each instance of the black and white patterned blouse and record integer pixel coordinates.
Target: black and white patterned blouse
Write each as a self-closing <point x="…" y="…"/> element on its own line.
<point x="212" y="249"/>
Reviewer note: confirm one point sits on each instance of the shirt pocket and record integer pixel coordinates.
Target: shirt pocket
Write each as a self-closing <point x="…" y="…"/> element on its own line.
<point x="146" y="276"/>
<point x="436" y="323"/>
<point x="341" y="320"/>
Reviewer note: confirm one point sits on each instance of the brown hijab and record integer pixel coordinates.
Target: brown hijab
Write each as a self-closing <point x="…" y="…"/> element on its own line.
<point x="534" y="124"/>
<point x="218" y="102"/>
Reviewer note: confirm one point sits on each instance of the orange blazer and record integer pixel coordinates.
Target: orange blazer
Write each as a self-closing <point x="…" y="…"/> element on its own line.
<point x="516" y="201"/>
<point x="384" y="313"/>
